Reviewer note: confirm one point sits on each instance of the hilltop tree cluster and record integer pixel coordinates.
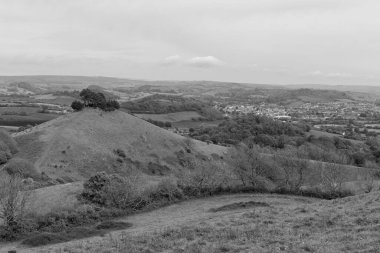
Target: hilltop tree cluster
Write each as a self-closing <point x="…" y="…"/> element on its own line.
<point x="94" y="100"/>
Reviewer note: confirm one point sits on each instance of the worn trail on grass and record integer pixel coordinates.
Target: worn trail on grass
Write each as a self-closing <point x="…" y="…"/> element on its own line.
<point x="181" y="214"/>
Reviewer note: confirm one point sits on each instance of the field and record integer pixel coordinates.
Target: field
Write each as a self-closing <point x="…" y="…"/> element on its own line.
<point x="59" y="100"/>
<point x="171" y="117"/>
<point x="22" y="116"/>
<point x="196" y="124"/>
<point x="244" y="223"/>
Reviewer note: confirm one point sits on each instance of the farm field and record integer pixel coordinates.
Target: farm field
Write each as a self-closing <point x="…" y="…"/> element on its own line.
<point x="171" y="117"/>
<point x="196" y="124"/>
<point x="59" y="100"/>
<point x="243" y="223"/>
<point x="22" y="116"/>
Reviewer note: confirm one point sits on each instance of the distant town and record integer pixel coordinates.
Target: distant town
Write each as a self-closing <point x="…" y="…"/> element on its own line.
<point x="352" y="119"/>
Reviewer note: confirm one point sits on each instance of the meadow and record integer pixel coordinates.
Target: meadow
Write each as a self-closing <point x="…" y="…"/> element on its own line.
<point x="277" y="223"/>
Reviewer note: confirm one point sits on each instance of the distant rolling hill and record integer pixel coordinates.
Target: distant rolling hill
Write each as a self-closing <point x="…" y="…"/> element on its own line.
<point x="84" y="81"/>
<point x="374" y="90"/>
<point x="55" y="82"/>
<point x="77" y="145"/>
<point x="307" y="95"/>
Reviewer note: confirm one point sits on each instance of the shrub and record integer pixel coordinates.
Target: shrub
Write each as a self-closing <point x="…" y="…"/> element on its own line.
<point x="4" y="147"/>
<point x="13" y="199"/>
<point x="166" y="190"/>
<point x="201" y="180"/>
<point x="21" y="167"/>
<point x="112" y="191"/>
<point x="94" y="188"/>
<point x="123" y="193"/>
<point x="77" y="105"/>
<point x="4" y="156"/>
<point x="8" y="141"/>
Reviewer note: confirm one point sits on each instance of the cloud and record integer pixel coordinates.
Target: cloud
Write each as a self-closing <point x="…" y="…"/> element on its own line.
<point x="172" y="60"/>
<point x="198" y="61"/>
<point x="204" y="62"/>
<point x="330" y="74"/>
<point x="338" y="74"/>
<point x="316" y="73"/>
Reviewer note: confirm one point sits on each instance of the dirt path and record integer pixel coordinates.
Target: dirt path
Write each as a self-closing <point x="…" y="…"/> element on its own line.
<point x="181" y="214"/>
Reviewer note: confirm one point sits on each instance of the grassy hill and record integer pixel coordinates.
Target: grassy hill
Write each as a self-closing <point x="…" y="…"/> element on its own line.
<point x="77" y="145"/>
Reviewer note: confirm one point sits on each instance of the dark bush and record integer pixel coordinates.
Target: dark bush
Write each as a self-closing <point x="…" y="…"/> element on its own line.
<point x="77" y="105"/>
<point x="94" y="188"/>
<point x="112" y="105"/>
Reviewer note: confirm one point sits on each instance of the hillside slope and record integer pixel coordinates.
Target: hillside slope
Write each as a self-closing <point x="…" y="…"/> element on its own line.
<point x="281" y="224"/>
<point x="77" y="145"/>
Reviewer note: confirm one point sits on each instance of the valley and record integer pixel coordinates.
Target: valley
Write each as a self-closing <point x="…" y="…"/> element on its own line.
<point x="206" y="167"/>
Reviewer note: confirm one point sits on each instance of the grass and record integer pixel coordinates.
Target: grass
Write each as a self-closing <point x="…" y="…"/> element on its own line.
<point x="289" y="224"/>
<point x="46" y="238"/>
<point x="114" y="225"/>
<point x="239" y="205"/>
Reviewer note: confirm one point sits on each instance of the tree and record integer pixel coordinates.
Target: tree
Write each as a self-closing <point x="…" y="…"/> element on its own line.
<point x="249" y="166"/>
<point x="294" y="168"/>
<point x="96" y="100"/>
<point x="77" y="105"/>
<point x="13" y="200"/>
<point x="86" y="95"/>
<point x="113" y="105"/>
<point x="333" y="175"/>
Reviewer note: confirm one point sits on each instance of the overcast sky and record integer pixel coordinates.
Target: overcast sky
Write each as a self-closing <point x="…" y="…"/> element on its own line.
<point x="258" y="41"/>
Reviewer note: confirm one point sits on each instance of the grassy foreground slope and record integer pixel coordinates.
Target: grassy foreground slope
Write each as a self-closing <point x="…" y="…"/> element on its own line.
<point x="77" y="145"/>
<point x="247" y="223"/>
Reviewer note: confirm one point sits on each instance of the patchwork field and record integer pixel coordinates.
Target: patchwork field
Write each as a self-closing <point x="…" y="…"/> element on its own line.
<point x="171" y="117"/>
<point x="22" y="116"/>
<point x="244" y="223"/>
<point x="196" y="124"/>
